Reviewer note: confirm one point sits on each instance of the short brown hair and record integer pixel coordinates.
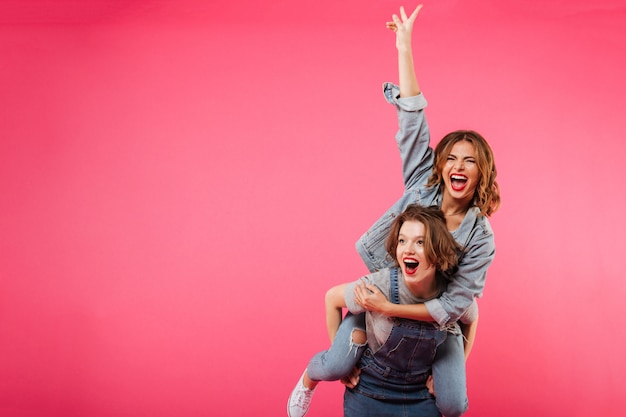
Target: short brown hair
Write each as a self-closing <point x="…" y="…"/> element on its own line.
<point x="440" y="247"/>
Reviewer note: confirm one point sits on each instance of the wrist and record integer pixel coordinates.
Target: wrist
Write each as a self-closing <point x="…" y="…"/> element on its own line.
<point x="387" y="308"/>
<point x="404" y="48"/>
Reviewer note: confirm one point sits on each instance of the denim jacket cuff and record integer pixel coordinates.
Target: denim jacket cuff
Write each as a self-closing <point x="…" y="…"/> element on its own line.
<point x="392" y="95"/>
<point x="437" y="311"/>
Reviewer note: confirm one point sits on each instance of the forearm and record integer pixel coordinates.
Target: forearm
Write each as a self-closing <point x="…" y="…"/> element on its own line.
<point x="403" y="27"/>
<point x="469" y="281"/>
<point x="407" y="311"/>
<point x="409" y="86"/>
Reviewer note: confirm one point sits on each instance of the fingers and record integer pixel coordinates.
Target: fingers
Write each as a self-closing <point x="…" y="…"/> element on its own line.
<point x="415" y="12"/>
<point x="430" y="384"/>
<point x="372" y="288"/>
<point x="364" y="290"/>
<point x="358" y="294"/>
<point x="346" y="381"/>
<point x="403" y="14"/>
<point x="352" y="379"/>
<point x="397" y="21"/>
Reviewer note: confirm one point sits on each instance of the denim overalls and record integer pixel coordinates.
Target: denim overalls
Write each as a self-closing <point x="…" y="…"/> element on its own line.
<point x="393" y="379"/>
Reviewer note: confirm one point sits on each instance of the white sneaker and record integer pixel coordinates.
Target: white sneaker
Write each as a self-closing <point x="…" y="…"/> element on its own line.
<point x="300" y="399"/>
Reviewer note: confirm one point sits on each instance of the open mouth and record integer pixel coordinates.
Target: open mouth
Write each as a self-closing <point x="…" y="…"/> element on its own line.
<point x="410" y="266"/>
<point x="458" y="181"/>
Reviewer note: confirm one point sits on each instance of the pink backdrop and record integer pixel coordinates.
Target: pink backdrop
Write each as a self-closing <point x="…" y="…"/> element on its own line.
<point x="182" y="180"/>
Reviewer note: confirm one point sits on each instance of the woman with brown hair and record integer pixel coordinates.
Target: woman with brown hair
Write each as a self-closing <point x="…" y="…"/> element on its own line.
<point x="458" y="176"/>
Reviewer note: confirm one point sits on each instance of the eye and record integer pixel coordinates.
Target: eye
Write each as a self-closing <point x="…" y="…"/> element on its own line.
<point x="420" y="242"/>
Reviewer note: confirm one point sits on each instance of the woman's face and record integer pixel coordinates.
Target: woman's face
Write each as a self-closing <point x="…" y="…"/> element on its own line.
<point x="460" y="172"/>
<point x="410" y="253"/>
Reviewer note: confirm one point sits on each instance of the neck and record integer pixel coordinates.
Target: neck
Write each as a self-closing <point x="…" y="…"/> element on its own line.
<point x="454" y="207"/>
<point x="424" y="291"/>
<point x="454" y="211"/>
<point x="422" y="288"/>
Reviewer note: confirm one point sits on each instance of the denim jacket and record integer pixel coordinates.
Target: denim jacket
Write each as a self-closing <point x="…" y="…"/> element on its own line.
<point x="474" y="234"/>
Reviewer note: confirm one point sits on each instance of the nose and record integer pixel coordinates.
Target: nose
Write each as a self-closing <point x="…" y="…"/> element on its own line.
<point x="459" y="164"/>
<point x="409" y="249"/>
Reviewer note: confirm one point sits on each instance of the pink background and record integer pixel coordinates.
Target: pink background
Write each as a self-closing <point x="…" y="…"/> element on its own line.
<point x="182" y="180"/>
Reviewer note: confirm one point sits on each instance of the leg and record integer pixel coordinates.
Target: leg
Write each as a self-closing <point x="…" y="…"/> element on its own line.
<point x="331" y="364"/>
<point x="343" y="354"/>
<point x="449" y="377"/>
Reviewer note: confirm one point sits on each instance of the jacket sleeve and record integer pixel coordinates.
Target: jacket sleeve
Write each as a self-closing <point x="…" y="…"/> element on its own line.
<point x="471" y="314"/>
<point x="413" y="136"/>
<point x="468" y="281"/>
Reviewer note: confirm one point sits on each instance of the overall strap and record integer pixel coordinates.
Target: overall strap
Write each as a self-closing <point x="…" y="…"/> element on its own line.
<point x="394" y="291"/>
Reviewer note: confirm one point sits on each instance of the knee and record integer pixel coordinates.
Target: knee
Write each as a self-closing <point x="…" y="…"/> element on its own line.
<point x="359" y="337"/>
<point x="453" y="408"/>
<point x="339" y="365"/>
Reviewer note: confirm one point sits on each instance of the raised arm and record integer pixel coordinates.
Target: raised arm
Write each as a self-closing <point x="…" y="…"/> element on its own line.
<point x="412" y="141"/>
<point x="403" y="27"/>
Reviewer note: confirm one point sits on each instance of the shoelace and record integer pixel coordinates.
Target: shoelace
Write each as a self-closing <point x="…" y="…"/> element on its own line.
<point x="302" y="398"/>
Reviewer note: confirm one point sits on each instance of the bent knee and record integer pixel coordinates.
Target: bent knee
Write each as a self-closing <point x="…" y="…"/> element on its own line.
<point x="453" y="409"/>
<point x="359" y="337"/>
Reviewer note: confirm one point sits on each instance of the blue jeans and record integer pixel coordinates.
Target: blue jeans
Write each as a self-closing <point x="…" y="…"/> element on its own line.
<point x="448" y="367"/>
<point x="449" y="376"/>
<point x="393" y="379"/>
<point x="355" y="404"/>
<point x="343" y="355"/>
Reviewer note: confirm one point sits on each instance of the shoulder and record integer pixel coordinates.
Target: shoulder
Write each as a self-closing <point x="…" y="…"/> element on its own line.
<point x="481" y="223"/>
<point x="381" y="276"/>
<point x="475" y="233"/>
<point x="382" y="279"/>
